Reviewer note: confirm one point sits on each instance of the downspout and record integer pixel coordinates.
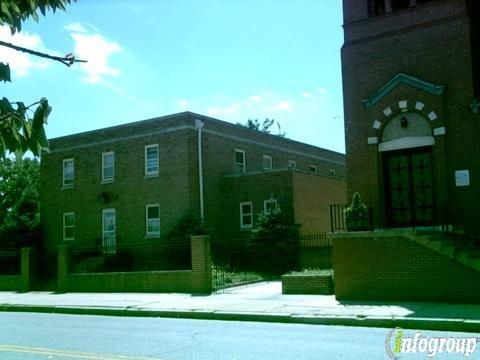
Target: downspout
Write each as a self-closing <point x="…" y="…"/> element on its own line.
<point x="199" y="125"/>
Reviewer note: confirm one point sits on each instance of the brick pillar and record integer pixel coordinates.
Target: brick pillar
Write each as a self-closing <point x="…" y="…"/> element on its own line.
<point x="27" y="268"/>
<point x="201" y="265"/>
<point x="63" y="267"/>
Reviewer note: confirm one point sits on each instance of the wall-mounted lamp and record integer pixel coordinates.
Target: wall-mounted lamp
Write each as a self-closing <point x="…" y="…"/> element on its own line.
<point x="404" y="122"/>
<point x="475" y="106"/>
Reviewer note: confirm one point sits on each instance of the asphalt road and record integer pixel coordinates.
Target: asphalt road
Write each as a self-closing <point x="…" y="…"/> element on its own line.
<point x="54" y="336"/>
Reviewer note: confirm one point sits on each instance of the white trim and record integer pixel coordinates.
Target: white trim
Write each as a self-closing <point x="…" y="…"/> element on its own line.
<point x="419" y="106"/>
<point x="72" y="226"/>
<point x="406" y="143"/>
<point x="248" y="226"/>
<point x="152" y="233"/>
<point x="268" y="158"/>
<point x="111" y="241"/>
<point x="432" y="116"/>
<point x="63" y="172"/>
<point x="388" y="111"/>
<point x="244" y="164"/>
<point x="439" y="131"/>
<point x="112" y="179"/>
<point x="265" y="202"/>
<point x="372" y="140"/>
<point x="403" y="104"/>
<point x="313" y="168"/>
<point x="332" y="172"/>
<point x="290" y="163"/>
<point x="147" y="147"/>
<point x="377" y="124"/>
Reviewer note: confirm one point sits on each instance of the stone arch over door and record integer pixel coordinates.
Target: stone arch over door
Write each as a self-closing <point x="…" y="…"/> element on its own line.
<point x="406" y="141"/>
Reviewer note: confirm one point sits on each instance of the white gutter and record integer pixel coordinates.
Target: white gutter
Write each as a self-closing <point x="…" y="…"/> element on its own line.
<point x="199" y="125"/>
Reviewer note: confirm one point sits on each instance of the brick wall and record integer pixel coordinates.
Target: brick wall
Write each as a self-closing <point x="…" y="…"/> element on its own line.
<point x="198" y="279"/>
<point x="176" y="188"/>
<point x="25" y="280"/>
<point x="376" y="267"/>
<point x="307" y="284"/>
<point x="430" y="41"/>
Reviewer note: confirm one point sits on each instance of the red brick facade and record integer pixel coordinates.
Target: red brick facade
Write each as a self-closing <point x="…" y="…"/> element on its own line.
<point x="176" y="186"/>
<point x="431" y="44"/>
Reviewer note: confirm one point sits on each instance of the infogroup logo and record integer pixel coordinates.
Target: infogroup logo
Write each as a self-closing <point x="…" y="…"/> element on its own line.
<point x="397" y="343"/>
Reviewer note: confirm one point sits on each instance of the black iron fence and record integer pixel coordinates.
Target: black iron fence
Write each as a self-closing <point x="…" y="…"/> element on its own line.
<point x="378" y="216"/>
<point x="150" y="255"/>
<point x="241" y="262"/>
<point x="10" y="262"/>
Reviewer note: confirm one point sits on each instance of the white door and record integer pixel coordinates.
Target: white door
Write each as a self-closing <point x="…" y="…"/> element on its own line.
<point x="109" y="231"/>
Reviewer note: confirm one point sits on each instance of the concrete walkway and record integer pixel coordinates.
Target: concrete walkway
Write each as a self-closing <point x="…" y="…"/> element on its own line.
<point x="259" y="302"/>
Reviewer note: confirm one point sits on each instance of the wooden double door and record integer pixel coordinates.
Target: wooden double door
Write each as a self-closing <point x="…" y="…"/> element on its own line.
<point x="409" y="187"/>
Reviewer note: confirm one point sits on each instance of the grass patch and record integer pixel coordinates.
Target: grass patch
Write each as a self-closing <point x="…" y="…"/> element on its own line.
<point x="322" y="272"/>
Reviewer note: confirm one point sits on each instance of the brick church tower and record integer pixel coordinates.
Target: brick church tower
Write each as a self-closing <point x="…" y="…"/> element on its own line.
<point x="411" y="83"/>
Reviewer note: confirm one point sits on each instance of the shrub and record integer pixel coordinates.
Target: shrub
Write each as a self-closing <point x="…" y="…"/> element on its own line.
<point x="356" y="215"/>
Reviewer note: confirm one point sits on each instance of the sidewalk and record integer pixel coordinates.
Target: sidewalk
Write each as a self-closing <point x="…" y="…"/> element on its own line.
<point x="260" y="302"/>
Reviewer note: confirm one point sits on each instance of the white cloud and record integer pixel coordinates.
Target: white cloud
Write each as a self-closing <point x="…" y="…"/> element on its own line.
<point x="75" y="27"/>
<point x="231" y="109"/>
<point x="21" y="63"/>
<point x="183" y="103"/>
<point x="253" y="100"/>
<point x="281" y="106"/>
<point x="306" y="94"/>
<point x="96" y="49"/>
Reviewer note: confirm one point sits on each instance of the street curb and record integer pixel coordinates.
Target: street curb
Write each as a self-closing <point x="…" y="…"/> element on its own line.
<point x="437" y="324"/>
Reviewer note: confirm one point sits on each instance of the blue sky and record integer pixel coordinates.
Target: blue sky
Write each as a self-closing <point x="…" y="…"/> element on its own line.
<point x="229" y="59"/>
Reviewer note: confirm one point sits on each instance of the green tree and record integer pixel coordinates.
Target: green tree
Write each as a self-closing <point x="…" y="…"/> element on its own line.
<point x="264" y="127"/>
<point x="276" y="238"/>
<point x="19" y="203"/>
<point x="21" y="126"/>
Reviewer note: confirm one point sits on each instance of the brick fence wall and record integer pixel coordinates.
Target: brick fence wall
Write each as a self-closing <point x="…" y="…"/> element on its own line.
<point x="198" y="279"/>
<point x="24" y="280"/>
<point x="389" y="267"/>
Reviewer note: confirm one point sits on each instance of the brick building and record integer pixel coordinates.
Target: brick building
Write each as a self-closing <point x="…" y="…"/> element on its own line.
<point x="411" y="80"/>
<point x="133" y="182"/>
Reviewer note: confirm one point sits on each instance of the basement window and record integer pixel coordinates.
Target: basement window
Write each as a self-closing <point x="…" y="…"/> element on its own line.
<point x="313" y="168"/>
<point x="292" y="164"/>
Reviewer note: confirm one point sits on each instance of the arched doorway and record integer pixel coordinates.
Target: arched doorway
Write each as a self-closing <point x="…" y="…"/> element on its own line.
<point x="406" y="148"/>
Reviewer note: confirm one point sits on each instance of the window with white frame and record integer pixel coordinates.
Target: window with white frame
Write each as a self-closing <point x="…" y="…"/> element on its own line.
<point x="292" y="164"/>
<point x="68" y="172"/>
<point x="152" y="214"/>
<point x="332" y="172"/>
<point x="246" y="215"/>
<point x="313" y="168"/>
<point x="270" y="204"/>
<point x="151" y="160"/>
<point x="267" y="162"/>
<point x="240" y="161"/>
<point x="109" y="231"/>
<point x="69" y="226"/>
<point x="108" y="166"/>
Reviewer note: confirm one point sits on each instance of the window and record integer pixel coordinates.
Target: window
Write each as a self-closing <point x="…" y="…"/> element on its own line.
<point x="313" y="168"/>
<point x="246" y="215"/>
<point x="68" y="226"/>
<point x="267" y="162"/>
<point x="108" y="166"/>
<point x="270" y="204"/>
<point x="68" y="172"/>
<point x="292" y="164"/>
<point x="109" y="231"/>
<point x="153" y="220"/>
<point x="376" y="7"/>
<point x="151" y="160"/>
<point x="332" y="172"/>
<point x="240" y="161"/>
